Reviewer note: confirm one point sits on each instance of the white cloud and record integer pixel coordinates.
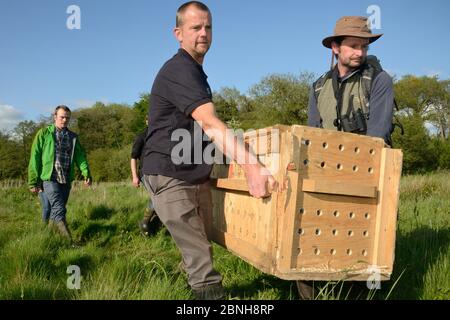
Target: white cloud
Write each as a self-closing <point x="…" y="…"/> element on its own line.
<point x="9" y="117"/>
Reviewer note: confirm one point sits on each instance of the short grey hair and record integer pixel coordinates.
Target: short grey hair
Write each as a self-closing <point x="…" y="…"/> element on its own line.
<point x="182" y="9"/>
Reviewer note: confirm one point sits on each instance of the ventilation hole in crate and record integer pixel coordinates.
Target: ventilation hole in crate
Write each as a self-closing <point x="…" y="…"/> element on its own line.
<point x="349" y="252"/>
<point x="367" y="215"/>
<point x="319" y="212"/>
<point x="364" y="253"/>
<point x="333" y="252"/>
<point x="325" y="145"/>
<point x="306" y="142"/>
<point x="370" y="170"/>
<point x="372" y="152"/>
<point x="365" y="233"/>
<point x="351" y="215"/>
<point x="301" y="231"/>
<point x="306" y="162"/>
<point x="339" y="166"/>
<point x="318" y="232"/>
<point x="356" y="150"/>
<point x="301" y="211"/>
<point x="316" y="251"/>
<point x="350" y="233"/>
<point x="254" y="236"/>
<point x="322" y="164"/>
<point x="341" y="147"/>
<point x="335" y="232"/>
<point x="355" y="168"/>
<point x="299" y="251"/>
<point x="336" y="213"/>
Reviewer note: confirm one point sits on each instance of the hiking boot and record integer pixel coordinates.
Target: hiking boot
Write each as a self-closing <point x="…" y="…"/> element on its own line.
<point x="61" y="228"/>
<point x="305" y="290"/>
<point x="143" y="228"/>
<point x="210" y="292"/>
<point x="150" y="224"/>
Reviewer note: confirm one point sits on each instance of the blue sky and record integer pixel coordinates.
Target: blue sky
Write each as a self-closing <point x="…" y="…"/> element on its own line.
<point x="121" y="45"/>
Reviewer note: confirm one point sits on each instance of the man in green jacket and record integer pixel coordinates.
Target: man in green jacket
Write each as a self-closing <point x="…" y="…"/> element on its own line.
<point x="54" y="152"/>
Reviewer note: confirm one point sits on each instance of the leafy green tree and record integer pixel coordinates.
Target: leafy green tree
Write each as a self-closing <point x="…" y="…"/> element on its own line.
<point x="24" y="133"/>
<point x="110" y="164"/>
<point x="104" y="126"/>
<point x="426" y="97"/>
<point x="280" y="98"/>
<point x="418" y="151"/>
<point x="141" y="110"/>
<point x="10" y="151"/>
<point x="228" y="102"/>
<point x="441" y="148"/>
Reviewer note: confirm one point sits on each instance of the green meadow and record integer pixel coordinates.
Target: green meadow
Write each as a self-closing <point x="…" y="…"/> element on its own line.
<point x="117" y="262"/>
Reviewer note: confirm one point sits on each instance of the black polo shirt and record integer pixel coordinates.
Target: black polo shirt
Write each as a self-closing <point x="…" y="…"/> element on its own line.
<point x="180" y="87"/>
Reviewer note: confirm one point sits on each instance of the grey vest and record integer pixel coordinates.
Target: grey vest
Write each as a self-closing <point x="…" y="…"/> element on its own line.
<point x="348" y="95"/>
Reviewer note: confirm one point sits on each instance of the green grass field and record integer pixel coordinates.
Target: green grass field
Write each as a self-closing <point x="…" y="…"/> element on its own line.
<point x="116" y="262"/>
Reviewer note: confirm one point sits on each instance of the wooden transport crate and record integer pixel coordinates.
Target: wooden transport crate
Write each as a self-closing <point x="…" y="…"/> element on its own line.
<point x="335" y="221"/>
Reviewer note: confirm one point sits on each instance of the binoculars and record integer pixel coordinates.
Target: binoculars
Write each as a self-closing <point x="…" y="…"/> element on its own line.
<point x="356" y="124"/>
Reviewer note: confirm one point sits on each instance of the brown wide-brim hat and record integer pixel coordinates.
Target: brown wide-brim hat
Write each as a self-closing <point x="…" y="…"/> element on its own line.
<point x="351" y="27"/>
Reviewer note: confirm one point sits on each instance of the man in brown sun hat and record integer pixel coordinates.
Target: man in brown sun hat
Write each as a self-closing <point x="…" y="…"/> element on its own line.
<point x="356" y="95"/>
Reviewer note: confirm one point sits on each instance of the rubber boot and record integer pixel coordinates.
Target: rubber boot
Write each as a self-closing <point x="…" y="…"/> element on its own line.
<point x="305" y="290"/>
<point x="144" y="224"/>
<point x="210" y="292"/>
<point x="61" y="228"/>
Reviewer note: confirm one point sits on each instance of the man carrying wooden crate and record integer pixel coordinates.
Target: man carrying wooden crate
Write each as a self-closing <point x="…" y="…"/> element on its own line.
<point x="356" y="95"/>
<point x="181" y="102"/>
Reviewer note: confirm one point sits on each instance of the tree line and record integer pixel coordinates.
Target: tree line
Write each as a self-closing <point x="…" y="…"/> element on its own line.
<point x="107" y="131"/>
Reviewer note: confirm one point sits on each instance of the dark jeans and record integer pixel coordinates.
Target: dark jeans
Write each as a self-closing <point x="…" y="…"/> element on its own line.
<point x="46" y="208"/>
<point x="57" y="194"/>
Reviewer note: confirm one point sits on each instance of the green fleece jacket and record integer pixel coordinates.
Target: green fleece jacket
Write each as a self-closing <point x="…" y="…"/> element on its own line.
<point x="42" y="157"/>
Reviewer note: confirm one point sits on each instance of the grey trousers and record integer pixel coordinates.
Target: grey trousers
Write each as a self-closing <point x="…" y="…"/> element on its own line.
<point x="185" y="210"/>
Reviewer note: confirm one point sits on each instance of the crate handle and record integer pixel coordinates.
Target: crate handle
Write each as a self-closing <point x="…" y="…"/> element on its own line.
<point x="230" y="184"/>
<point x="339" y="188"/>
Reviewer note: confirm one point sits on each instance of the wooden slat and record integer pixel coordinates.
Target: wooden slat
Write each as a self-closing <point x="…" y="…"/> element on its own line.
<point x="384" y="242"/>
<point x="339" y="188"/>
<point x="326" y="275"/>
<point x="326" y="154"/>
<point x="287" y="206"/>
<point x="230" y="184"/>
<point x="246" y="251"/>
